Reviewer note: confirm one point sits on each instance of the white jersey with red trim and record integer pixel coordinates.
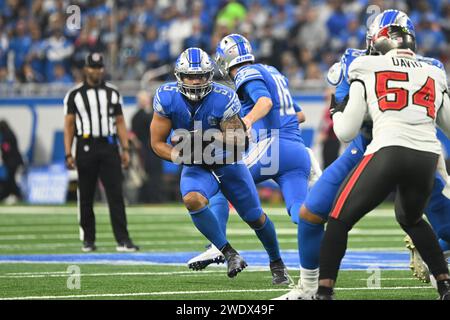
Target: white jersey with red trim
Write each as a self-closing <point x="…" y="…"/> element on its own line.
<point x="403" y="97"/>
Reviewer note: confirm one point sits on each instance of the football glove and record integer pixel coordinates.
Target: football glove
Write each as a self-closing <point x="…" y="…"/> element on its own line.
<point x="337" y="106"/>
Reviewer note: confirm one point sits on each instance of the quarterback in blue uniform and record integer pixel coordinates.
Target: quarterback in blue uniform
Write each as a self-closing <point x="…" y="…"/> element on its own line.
<point x="278" y="151"/>
<point x="194" y="107"/>
<point x="320" y="199"/>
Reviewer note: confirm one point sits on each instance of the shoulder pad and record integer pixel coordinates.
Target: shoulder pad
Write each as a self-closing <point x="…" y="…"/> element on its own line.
<point x="163" y="99"/>
<point x="335" y="74"/>
<point x="245" y="74"/>
<point x="348" y="57"/>
<point x="431" y="61"/>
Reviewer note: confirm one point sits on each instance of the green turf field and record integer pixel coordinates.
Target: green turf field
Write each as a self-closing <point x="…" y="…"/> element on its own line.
<point x="54" y="230"/>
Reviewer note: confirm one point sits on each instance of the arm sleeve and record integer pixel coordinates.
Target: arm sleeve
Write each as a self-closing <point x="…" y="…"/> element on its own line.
<point x="348" y="123"/>
<point x="256" y="89"/>
<point x="443" y="116"/>
<point x="117" y="102"/>
<point x="69" y="104"/>
<point x="159" y="107"/>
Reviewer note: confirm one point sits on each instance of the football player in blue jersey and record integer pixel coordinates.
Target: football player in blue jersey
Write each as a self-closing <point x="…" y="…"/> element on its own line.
<point x="194" y="107"/>
<point x="321" y="197"/>
<point x="278" y="151"/>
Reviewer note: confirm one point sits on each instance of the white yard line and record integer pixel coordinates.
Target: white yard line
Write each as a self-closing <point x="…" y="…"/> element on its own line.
<point x="173" y="293"/>
<point x="144" y="210"/>
<point x="106" y="274"/>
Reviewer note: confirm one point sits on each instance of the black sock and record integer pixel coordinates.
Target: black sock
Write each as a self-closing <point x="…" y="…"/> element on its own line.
<point x="333" y="248"/>
<point x="443" y="286"/>
<point x="228" y="250"/>
<point x="325" y="291"/>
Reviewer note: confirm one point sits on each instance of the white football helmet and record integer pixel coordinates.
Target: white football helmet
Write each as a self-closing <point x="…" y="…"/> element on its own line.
<point x="194" y="63"/>
<point x="232" y="50"/>
<point x="385" y="19"/>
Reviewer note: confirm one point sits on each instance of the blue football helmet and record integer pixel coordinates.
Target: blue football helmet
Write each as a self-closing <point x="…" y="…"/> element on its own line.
<point x="194" y="63"/>
<point x="232" y="50"/>
<point x="381" y="30"/>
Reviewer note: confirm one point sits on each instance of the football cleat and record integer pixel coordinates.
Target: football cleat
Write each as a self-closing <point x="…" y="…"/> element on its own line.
<point x="416" y="264"/>
<point x="127" y="247"/>
<point x="443" y="287"/>
<point x="323" y="297"/>
<point x="297" y="293"/>
<point x="235" y="262"/>
<point x="324" y="293"/>
<point x="88" y="246"/>
<point x="211" y="255"/>
<point x="280" y="273"/>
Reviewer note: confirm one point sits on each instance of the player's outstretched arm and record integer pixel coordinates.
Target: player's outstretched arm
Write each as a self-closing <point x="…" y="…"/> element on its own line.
<point x="159" y="131"/>
<point x="234" y="132"/>
<point x="347" y="123"/>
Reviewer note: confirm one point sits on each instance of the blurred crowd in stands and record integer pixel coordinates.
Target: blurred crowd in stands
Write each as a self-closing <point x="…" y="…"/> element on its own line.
<point x="300" y="37"/>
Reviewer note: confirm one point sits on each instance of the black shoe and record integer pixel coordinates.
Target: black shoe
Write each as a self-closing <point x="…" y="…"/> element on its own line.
<point x="234" y="261"/>
<point x="279" y="272"/>
<point x="444" y="289"/>
<point x="88" y="246"/>
<point x="324" y="293"/>
<point x="127" y="246"/>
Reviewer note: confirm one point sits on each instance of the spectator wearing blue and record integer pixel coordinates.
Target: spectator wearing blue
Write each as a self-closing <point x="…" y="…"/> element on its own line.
<point x="57" y="48"/>
<point x="20" y="45"/>
<point x="154" y="52"/>
<point x="35" y="56"/>
<point x="354" y="35"/>
<point x="150" y="15"/>
<point x="430" y="38"/>
<point x="4" y="45"/>
<point x="203" y="16"/>
<point x="445" y="21"/>
<point x="283" y="13"/>
<point x="198" y="38"/>
<point x="60" y="75"/>
<point x="338" y="20"/>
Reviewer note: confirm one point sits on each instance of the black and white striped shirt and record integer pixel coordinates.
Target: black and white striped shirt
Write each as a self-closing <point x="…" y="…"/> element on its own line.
<point x="95" y="109"/>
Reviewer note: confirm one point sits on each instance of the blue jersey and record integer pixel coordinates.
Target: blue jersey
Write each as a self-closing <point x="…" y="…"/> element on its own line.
<point x="220" y="104"/>
<point x="258" y="80"/>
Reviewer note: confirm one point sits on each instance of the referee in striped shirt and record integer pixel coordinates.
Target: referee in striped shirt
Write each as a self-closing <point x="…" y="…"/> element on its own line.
<point x="93" y="114"/>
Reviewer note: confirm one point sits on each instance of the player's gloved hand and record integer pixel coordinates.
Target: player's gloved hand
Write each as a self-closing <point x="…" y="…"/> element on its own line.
<point x="366" y="129"/>
<point x="337" y="106"/>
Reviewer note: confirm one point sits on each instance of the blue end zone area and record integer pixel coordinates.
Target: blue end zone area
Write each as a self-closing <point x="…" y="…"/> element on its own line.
<point x="353" y="260"/>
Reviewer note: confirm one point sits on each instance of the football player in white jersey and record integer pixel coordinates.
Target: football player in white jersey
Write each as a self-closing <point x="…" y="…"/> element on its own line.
<point x="405" y="98"/>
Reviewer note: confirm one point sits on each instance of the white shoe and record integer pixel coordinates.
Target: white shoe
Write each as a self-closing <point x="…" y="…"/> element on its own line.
<point x="416" y="264"/>
<point x="11" y="199"/>
<point x="297" y="293"/>
<point x="212" y="255"/>
<point x="315" y="171"/>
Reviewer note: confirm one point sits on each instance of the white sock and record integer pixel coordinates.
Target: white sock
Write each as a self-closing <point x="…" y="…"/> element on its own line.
<point x="309" y="279"/>
<point x="316" y="172"/>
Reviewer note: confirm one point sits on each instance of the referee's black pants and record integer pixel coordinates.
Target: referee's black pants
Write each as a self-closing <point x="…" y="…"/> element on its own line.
<point x="100" y="158"/>
<point x="409" y="172"/>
